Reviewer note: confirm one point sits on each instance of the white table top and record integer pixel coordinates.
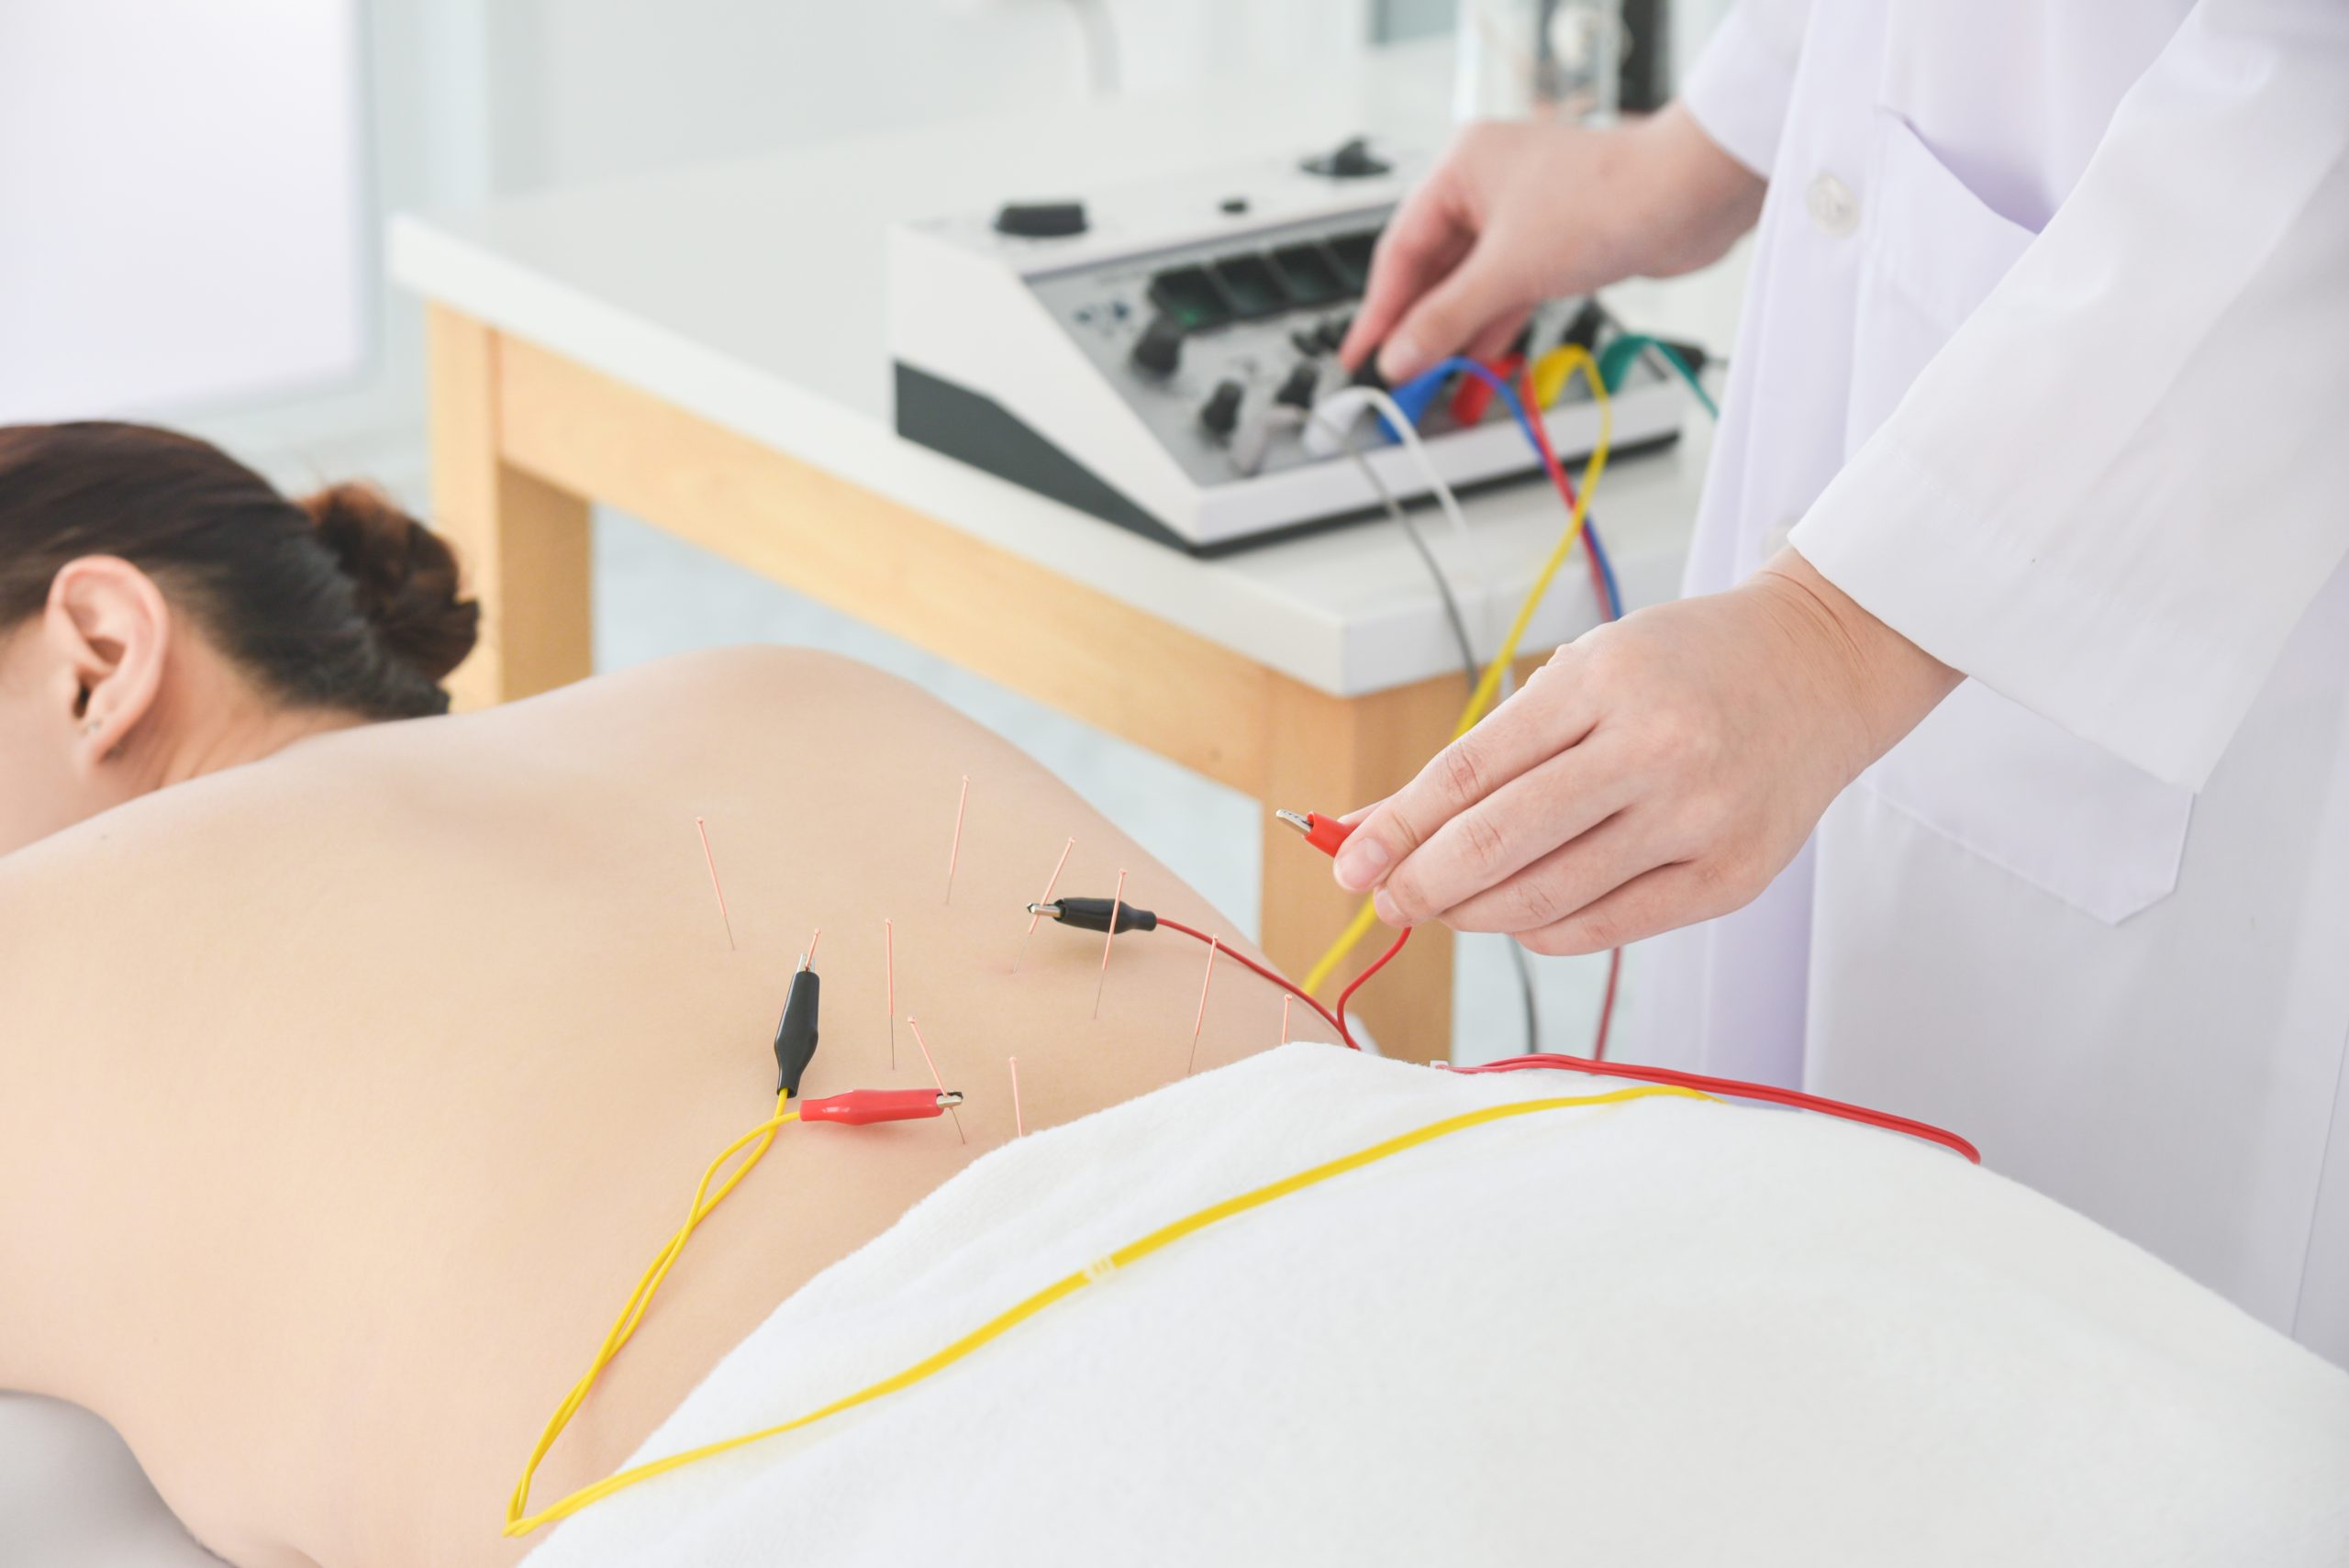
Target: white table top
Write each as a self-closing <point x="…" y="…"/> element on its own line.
<point x="751" y="294"/>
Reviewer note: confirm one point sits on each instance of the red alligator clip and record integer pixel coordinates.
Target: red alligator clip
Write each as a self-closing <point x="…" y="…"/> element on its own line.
<point x="1324" y="833"/>
<point x="859" y="1107"/>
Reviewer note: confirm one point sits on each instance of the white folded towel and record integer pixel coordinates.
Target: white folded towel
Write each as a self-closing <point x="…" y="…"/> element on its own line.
<point x="1663" y="1333"/>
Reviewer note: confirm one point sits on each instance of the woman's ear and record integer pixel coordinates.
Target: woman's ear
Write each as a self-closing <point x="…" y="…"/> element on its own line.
<point x="109" y="634"/>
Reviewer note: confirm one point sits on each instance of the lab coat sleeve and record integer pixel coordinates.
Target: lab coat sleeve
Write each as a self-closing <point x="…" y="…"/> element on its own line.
<point x="2113" y="492"/>
<point x="1741" y="83"/>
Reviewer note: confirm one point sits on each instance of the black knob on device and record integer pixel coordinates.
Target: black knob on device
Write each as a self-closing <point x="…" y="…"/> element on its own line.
<point x="1160" y="348"/>
<point x="1351" y="160"/>
<point x="1220" y="412"/>
<point x="1302" y="384"/>
<point x="1040" y="220"/>
<point x="1584" y="329"/>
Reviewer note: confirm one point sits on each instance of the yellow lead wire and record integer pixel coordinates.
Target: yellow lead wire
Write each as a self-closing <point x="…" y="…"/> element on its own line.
<point x="640" y="1299"/>
<point x="518" y="1523"/>
<point x="1549" y="376"/>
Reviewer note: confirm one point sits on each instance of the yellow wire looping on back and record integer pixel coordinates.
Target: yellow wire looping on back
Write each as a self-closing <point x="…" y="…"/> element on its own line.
<point x="519" y="1523"/>
<point x="639" y="1300"/>
<point x="1548" y="375"/>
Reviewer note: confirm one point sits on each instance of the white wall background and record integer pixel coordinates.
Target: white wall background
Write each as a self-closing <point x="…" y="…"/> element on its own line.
<point x="191" y="194"/>
<point x="593" y="88"/>
<point x="466" y="100"/>
<point x="183" y="192"/>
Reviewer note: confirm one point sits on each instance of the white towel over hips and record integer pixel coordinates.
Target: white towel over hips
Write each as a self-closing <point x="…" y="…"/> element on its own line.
<point x="1667" y="1332"/>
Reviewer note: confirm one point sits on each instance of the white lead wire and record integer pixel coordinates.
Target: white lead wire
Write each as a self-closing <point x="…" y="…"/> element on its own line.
<point x="1336" y="414"/>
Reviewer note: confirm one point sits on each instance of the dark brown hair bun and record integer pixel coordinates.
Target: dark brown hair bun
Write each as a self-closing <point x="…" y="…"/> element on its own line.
<point x="342" y="601"/>
<point x="406" y="575"/>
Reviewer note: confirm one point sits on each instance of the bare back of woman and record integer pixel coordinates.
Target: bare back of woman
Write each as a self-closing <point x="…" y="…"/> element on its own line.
<point x="344" y="1094"/>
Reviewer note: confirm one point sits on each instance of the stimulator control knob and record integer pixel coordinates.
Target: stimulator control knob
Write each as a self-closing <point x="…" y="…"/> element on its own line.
<point x="1160" y="348"/>
<point x="1040" y="220"/>
<point x="1352" y="159"/>
<point x="1303" y="382"/>
<point x="1220" y="412"/>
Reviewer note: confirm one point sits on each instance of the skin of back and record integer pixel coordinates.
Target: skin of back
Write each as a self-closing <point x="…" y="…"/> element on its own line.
<point x="344" y="1094"/>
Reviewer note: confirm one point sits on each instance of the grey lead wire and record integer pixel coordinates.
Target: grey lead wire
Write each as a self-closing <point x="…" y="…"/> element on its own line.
<point x="1395" y="509"/>
<point x="1419" y="543"/>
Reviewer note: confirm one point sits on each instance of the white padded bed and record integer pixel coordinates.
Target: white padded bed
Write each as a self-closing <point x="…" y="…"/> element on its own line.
<point x="72" y="1497"/>
<point x="1665" y="1332"/>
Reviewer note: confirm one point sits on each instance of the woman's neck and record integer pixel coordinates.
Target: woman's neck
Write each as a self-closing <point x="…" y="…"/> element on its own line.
<point x="234" y="730"/>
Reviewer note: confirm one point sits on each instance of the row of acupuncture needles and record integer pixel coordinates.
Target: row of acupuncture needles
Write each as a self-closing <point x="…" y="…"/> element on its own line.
<point x="889" y="957"/>
<point x="889" y="954"/>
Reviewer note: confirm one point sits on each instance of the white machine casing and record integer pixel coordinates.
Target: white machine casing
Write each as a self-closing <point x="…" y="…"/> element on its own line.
<point x="1014" y="353"/>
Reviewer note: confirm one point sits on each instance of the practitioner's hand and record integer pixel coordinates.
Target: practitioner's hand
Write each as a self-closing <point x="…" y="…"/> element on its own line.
<point x="1517" y="213"/>
<point x="1659" y="771"/>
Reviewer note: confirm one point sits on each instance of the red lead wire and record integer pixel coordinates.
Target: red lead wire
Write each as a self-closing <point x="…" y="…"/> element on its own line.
<point x="1381" y="962"/>
<point x="1262" y="971"/>
<point x="1731" y="1088"/>
<point x="1326" y="833"/>
<point x="1734" y="1088"/>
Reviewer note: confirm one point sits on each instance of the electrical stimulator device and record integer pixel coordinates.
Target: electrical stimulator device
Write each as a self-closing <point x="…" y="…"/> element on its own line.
<point x="1152" y="354"/>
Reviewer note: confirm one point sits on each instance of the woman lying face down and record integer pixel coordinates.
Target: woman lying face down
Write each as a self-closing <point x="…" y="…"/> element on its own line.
<point x="348" y="1084"/>
<point x="165" y="612"/>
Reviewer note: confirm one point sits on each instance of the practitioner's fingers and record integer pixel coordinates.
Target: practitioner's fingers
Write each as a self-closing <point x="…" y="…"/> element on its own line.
<point x="1541" y="815"/>
<point x="1653" y="901"/>
<point x="1567" y="880"/>
<point x="1545" y="717"/>
<point x="1472" y="303"/>
<point x="1424" y="241"/>
<point x="1494" y="341"/>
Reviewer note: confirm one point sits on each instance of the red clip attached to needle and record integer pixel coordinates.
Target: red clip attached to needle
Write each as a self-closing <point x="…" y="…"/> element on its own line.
<point x="859" y="1107"/>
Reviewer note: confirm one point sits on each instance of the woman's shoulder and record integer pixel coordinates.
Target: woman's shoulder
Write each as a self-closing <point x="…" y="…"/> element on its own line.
<point x="721" y="708"/>
<point x="699" y="717"/>
<point x="709" y="684"/>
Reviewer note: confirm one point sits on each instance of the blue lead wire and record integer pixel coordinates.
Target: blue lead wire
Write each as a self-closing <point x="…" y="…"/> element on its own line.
<point x="1606" y="570"/>
<point x="1414" y="395"/>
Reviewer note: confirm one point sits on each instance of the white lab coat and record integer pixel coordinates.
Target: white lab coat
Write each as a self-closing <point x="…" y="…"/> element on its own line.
<point x="2046" y="364"/>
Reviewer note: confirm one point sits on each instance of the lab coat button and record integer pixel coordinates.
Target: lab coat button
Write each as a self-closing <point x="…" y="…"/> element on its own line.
<point x="1832" y="206"/>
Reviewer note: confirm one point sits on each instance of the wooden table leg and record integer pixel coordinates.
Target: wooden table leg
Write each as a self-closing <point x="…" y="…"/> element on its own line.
<point x="1332" y="754"/>
<point x="524" y="542"/>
